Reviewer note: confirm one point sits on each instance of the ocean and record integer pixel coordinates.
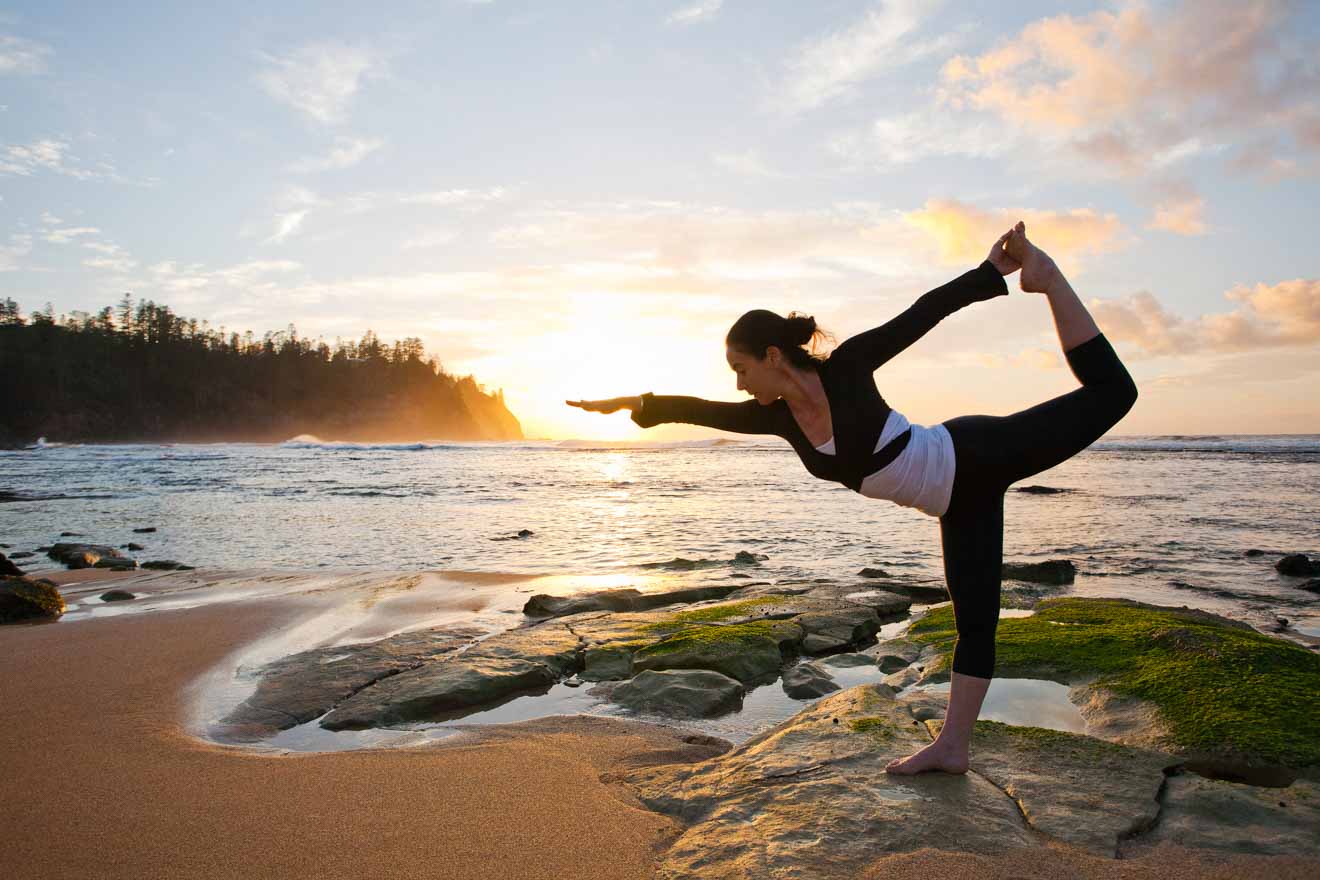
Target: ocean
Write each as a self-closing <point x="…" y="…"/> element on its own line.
<point x="1161" y="519"/>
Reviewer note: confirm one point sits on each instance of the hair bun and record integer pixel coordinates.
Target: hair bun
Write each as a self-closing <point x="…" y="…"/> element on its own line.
<point x="799" y="328"/>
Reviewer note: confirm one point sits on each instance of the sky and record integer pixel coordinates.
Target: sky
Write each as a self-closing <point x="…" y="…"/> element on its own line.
<point x="577" y="199"/>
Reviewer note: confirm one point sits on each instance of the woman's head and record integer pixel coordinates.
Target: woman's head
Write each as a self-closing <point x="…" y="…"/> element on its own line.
<point x="763" y="348"/>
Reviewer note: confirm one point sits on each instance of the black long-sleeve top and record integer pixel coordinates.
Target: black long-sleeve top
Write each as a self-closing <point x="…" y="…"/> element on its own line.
<point x="857" y="410"/>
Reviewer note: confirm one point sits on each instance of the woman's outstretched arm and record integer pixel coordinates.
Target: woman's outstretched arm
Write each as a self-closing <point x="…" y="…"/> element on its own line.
<point x="649" y="410"/>
<point x="874" y="347"/>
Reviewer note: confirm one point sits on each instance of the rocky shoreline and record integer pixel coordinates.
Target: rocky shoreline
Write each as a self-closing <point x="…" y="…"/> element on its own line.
<point x="1200" y="730"/>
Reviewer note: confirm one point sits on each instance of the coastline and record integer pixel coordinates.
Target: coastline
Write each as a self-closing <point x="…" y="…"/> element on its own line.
<point x="110" y="784"/>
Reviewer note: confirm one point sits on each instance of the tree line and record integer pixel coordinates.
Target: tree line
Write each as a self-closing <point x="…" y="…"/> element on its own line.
<point x="138" y="372"/>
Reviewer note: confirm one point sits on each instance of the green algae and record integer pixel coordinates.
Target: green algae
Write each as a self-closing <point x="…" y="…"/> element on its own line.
<point x="713" y="614"/>
<point x="729" y="638"/>
<point x="877" y="728"/>
<point x="1219" y="688"/>
<point x="1048" y="737"/>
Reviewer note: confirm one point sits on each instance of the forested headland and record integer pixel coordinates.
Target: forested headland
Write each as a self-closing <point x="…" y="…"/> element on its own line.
<point x="139" y="372"/>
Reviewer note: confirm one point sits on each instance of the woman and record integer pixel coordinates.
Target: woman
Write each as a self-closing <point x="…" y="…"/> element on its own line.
<point x="958" y="471"/>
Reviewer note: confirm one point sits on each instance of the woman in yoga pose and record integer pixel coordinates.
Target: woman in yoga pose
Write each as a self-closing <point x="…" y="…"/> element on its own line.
<point x="842" y="429"/>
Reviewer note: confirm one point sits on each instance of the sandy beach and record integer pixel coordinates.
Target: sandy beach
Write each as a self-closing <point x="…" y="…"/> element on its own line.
<point x="103" y="781"/>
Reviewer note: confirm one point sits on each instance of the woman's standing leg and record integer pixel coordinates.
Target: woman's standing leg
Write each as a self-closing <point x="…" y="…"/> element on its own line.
<point x="972" y="535"/>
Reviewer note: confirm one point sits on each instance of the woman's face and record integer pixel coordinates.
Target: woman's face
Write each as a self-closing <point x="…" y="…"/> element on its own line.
<point x="760" y="378"/>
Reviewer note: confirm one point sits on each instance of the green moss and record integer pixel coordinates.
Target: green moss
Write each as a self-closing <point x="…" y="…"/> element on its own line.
<point x="714" y="613"/>
<point x="1218" y="688"/>
<point x="724" y="639"/>
<point x="1048" y="737"/>
<point x="878" y="728"/>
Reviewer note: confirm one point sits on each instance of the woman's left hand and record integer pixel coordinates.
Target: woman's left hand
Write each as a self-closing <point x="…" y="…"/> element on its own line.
<point x="1000" y="259"/>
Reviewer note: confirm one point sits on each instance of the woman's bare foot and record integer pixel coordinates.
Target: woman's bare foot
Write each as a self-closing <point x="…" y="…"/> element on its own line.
<point x="1039" y="273"/>
<point x="936" y="756"/>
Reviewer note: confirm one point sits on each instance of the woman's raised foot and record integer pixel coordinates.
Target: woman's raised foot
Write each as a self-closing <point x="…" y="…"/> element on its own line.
<point x="935" y="757"/>
<point x="1039" y="272"/>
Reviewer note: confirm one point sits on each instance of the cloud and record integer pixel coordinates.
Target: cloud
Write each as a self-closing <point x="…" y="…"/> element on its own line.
<point x="1184" y="216"/>
<point x="929" y="131"/>
<point x="18" y="55"/>
<point x="703" y="10"/>
<point x="20" y="245"/>
<point x="51" y="154"/>
<point x="748" y="163"/>
<point x="454" y="196"/>
<point x="965" y="233"/>
<point x="345" y="153"/>
<point x="429" y="238"/>
<point x="66" y="234"/>
<point x="320" y="79"/>
<point x="1272" y="316"/>
<point x="1138" y="90"/>
<point x="833" y="66"/>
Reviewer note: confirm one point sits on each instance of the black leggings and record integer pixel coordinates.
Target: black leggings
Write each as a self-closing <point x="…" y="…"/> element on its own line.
<point x="993" y="452"/>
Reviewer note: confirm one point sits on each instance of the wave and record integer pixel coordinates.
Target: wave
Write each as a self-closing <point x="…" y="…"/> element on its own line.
<point x="1240" y="444"/>
<point x="310" y="441"/>
<point x="598" y="445"/>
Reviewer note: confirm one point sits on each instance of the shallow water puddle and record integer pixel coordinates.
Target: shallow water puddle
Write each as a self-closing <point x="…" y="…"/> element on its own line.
<point x="1027" y="702"/>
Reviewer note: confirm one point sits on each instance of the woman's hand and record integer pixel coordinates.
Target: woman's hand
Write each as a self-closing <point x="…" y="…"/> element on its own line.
<point x="999" y="257"/>
<point x="613" y="404"/>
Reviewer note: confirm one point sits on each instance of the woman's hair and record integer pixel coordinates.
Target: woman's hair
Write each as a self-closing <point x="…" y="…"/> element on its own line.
<point x="759" y="329"/>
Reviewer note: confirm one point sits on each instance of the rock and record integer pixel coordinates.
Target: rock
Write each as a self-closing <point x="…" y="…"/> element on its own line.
<point x="1077" y="789"/>
<point x="896" y="654"/>
<point x="145" y="530"/>
<point x="751" y="652"/>
<point x="1054" y="571"/>
<point x="551" y="645"/>
<point x="22" y="554"/>
<point x="1298" y="565"/>
<point x="1180" y="680"/>
<point x="116" y="563"/>
<point x="807" y="680"/>
<point x="522" y="533"/>
<point x="682" y="693"/>
<point x="81" y="555"/>
<point x="1254" y="552"/>
<point x="838" y="628"/>
<point x="844" y="660"/>
<point x="904" y="677"/>
<point x="131" y="547"/>
<point x="1313" y="585"/>
<point x="116" y="596"/>
<point x="810" y="798"/>
<point x="69" y="535"/>
<point x="166" y="565"/>
<point x="542" y="605"/>
<point x="435" y="690"/>
<point x="304" y="686"/>
<point x="607" y="663"/>
<point x="1213" y="814"/>
<point x="743" y="557"/>
<point x="873" y="573"/>
<point x="23" y="598"/>
<point x="8" y="569"/>
<point x="1039" y="490"/>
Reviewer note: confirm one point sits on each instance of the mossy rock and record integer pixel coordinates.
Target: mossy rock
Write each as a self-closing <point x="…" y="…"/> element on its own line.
<point x="23" y="598"/>
<point x="761" y="606"/>
<point x="749" y="652"/>
<point x="1220" y="687"/>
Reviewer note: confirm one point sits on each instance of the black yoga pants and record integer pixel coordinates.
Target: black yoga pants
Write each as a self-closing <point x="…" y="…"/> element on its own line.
<point x="993" y="452"/>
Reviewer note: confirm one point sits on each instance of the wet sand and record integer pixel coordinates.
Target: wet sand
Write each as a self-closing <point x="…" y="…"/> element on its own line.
<point x="102" y="781"/>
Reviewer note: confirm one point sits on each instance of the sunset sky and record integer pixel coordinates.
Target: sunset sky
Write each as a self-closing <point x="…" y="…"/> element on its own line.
<point x="576" y="199"/>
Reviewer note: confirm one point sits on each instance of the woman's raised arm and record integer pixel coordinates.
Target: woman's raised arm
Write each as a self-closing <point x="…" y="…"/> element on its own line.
<point x="874" y="347"/>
